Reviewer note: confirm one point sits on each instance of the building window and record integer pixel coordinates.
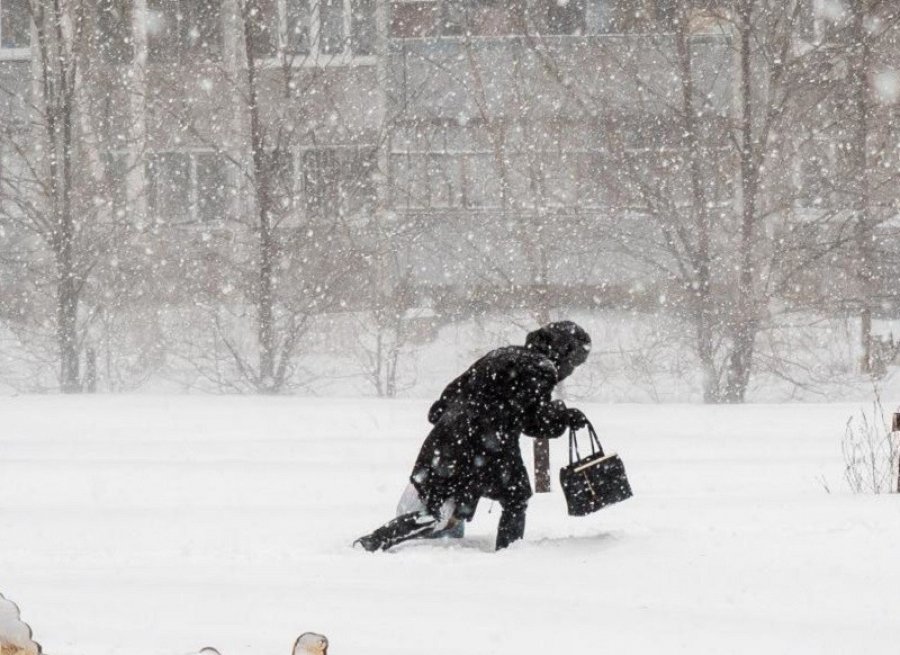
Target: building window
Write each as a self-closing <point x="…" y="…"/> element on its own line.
<point x="667" y="13"/>
<point x="409" y="181"/>
<point x="331" y="26"/>
<point x="262" y="24"/>
<point x="558" y="173"/>
<point x="211" y="187"/>
<point x="338" y="181"/>
<point x="325" y="27"/>
<point x="114" y="30"/>
<point x="814" y="188"/>
<point x="564" y="16"/>
<point x="15" y="24"/>
<point x="495" y="18"/>
<point x="362" y="27"/>
<point x="188" y="187"/>
<point x="600" y="16"/>
<point x="284" y="186"/>
<point x="444" y="180"/>
<point x="806" y="21"/>
<point x="482" y="181"/>
<point x="298" y="21"/>
<point x="414" y="18"/>
<point x="823" y="173"/>
<point x="169" y="187"/>
<point x="422" y="180"/>
<point x="184" y="30"/>
<point x="479" y="17"/>
<point x="455" y="19"/>
<point x="594" y="177"/>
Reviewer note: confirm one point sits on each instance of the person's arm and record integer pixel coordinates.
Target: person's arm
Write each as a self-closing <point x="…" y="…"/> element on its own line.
<point x="544" y="417"/>
<point x="548" y="419"/>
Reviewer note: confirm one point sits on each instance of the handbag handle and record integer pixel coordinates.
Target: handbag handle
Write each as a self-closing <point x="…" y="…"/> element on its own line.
<point x="596" y="448"/>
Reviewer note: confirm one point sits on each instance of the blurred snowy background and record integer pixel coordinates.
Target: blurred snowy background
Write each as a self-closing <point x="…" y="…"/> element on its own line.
<point x="359" y="196"/>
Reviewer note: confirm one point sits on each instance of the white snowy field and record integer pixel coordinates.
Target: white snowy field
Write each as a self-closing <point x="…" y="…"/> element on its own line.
<point x="160" y="524"/>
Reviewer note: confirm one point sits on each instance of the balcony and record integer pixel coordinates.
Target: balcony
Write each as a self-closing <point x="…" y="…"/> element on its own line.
<point x="481" y="79"/>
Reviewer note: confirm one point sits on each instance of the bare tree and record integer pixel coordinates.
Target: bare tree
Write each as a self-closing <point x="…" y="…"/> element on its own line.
<point x="287" y="244"/>
<point x="55" y="192"/>
<point x="706" y="167"/>
<point x="863" y="35"/>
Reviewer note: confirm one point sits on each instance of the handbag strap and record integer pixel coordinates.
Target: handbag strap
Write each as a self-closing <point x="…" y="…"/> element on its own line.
<point x="596" y="448"/>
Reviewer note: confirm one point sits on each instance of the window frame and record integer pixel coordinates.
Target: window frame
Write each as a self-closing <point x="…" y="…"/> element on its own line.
<point x="18" y="53"/>
<point x="193" y="215"/>
<point x="183" y="52"/>
<point x="461" y="18"/>
<point x="338" y="189"/>
<point x="115" y="35"/>
<point x="828" y="150"/>
<point x="316" y="55"/>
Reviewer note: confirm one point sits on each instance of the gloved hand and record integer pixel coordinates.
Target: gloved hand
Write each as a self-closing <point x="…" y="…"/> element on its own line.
<point x="576" y="418"/>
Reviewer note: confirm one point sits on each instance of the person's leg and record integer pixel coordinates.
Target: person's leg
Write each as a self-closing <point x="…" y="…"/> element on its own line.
<point x="512" y="524"/>
<point x="410" y="501"/>
<point x="404" y="527"/>
<point x="513" y="496"/>
<point x="456" y="529"/>
<point x="412" y="525"/>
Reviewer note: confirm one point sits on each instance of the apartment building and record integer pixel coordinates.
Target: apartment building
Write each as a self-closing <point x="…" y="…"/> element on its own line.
<point x="532" y="124"/>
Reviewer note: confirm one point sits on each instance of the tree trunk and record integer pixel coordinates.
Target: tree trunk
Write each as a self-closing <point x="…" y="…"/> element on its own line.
<point x="860" y="48"/>
<point x="67" y="285"/>
<point x="379" y="364"/>
<point x="746" y="322"/>
<point x="542" y="466"/>
<point x="90" y="373"/>
<point x="706" y="352"/>
<point x="265" y="307"/>
<point x="57" y="80"/>
<point x="700" y="287"/>
<point x="867" y="361"/>
<point x="265" y="298"/>
<point x="67" y="323"/>
<point x="69" y="288"/>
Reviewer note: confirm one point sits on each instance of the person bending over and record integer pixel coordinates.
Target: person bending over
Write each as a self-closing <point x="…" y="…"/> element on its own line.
<point x="473" y="449"/>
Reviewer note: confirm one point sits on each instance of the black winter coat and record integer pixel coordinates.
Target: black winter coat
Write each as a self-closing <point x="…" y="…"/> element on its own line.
<point x="473" y="449"/>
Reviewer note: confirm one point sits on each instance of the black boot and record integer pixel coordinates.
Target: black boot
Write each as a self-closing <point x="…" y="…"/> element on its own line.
<point x="400" y="529"/>
<point x="512" y="526"/>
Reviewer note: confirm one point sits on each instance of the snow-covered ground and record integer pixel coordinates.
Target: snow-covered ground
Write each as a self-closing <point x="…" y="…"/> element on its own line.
<point x="159" y="524"/>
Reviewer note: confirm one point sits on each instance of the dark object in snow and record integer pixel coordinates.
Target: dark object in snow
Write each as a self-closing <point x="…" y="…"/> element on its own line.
<point x="594" y="482"/>
<point x="473" y="449"/>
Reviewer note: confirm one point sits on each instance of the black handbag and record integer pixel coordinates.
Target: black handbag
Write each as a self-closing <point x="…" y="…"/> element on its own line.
<point x="594" y="482"/>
